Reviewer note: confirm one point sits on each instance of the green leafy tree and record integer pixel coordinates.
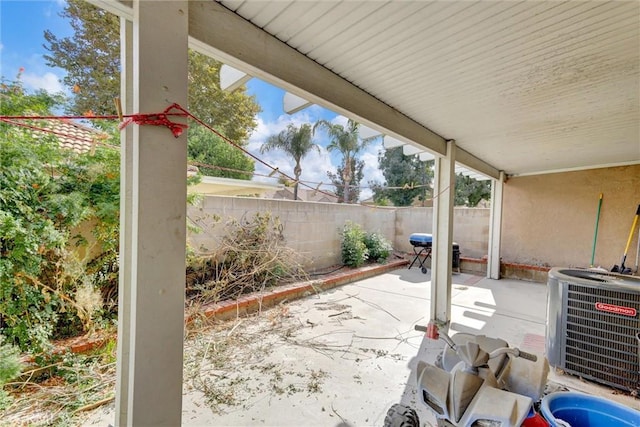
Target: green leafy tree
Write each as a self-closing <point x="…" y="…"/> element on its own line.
<point x="208" y="149"/>
<point x="412" y="175"/>
<point x="231" y="113"/>
<point x="297" y="142"/>
<point x="347" y="141"/>
<point x="337" y="179"/>
<point x="91" y="58"/>
<point x="469" y="191"/>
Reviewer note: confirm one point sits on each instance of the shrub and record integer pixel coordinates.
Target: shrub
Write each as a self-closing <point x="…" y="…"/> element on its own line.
<point x="354" y="250"/>
<point x="45" y="192"/>
<point x="252" y="256"/>
<point x="378" y="246"/>
<point x="43" y="282"/>
<point x="10" y="368"/>
<point x="359" y="246"/>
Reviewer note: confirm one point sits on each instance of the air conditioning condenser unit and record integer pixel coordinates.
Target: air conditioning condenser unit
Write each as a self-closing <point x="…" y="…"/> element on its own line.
<point x="593" y="326"/>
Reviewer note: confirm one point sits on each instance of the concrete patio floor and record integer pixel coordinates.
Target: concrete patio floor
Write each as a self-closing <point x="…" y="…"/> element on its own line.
<point x="344" y="356"/>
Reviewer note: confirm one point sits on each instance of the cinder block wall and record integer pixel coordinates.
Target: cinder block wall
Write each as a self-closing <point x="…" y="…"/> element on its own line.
<point x="471" y="231"/>
<point x="408" y="221"/>
<point x="470" y="228"/>
<point x="313" y="229"/>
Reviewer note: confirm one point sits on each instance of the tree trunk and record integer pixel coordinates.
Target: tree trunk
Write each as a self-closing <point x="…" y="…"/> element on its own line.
<point x="346" y="177"/>
<point x="295" y="190"/>
<point x="297" y="171"/>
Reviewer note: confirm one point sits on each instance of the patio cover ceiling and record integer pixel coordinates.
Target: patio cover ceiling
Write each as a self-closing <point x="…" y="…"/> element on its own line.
<point x="528" y="87"/>
<point x="522" y="87"/>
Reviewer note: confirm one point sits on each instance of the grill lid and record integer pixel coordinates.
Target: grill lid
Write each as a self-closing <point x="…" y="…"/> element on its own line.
<point x="421" y="239"/>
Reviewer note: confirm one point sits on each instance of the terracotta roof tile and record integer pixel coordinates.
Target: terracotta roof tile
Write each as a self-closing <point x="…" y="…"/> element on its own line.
<point x="74" y="136"/>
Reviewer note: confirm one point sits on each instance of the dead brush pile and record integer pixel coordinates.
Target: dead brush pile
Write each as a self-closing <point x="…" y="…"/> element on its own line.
<point x="251" y="257"/>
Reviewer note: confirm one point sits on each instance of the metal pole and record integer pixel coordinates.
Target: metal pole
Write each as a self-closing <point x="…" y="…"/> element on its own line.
<point x="595" y="236"/>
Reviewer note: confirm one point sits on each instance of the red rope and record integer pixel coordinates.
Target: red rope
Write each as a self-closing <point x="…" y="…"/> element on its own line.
<point x="224" y="138"/>
<point x="158" y="119"/>
<point x="152" y="119"/>
<point x="161" y="119"/>
<point x="86" y="116"/>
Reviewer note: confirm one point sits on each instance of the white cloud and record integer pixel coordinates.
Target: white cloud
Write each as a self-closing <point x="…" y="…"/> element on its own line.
<point x="47" y="81"/>
<point x="51" y="12"/>
<point x="371" y="170"/>
<point x="266" y="129"/>
<point x="340" y="120"/>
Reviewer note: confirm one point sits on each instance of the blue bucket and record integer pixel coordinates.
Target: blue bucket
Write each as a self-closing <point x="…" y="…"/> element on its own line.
<point x="583" y="410"/>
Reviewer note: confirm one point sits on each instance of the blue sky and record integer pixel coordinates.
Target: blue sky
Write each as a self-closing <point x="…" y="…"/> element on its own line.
<point x="22" y="26"/>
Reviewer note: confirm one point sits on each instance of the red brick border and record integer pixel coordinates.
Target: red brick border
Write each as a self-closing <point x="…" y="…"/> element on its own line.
<point x="256" y="301"/>
<point x="526" y="266"/>
<point x="250" y="303"/>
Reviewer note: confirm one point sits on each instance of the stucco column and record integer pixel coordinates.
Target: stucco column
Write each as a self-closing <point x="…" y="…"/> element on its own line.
<point x="126" y="191"/>
<point x="495" y="228"/>
<point x="443" y="188"/>
<point x="155" y="261"/>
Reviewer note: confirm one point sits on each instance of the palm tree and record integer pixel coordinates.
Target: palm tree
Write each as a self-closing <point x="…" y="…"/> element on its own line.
<point x="347" y="141"/>
<point x="296" y="142"/>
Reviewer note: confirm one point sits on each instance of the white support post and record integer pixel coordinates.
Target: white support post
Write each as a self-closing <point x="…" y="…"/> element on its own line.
<point x="443" y="188"/>
<point x="158" y="220"/>
<point x="495" y="228"/>
<point x="126" y="191"/>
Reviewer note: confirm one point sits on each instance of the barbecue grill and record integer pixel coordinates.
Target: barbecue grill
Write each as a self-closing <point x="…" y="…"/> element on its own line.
<point x="421" y="243"/>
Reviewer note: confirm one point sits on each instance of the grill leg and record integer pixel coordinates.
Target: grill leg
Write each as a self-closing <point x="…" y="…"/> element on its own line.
<point x="421" y="262"/>
<point x="416" y="258"/>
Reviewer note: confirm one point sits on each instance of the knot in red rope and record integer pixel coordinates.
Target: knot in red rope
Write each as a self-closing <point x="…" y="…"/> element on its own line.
<point x="159" y="119"/>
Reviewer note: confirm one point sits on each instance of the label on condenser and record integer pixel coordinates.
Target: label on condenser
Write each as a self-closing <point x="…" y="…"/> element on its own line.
<point x="616" y="309"/>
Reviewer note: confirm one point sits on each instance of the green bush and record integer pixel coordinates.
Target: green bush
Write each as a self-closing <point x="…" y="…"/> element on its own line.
<point x="46" y="290"/>
<point x="378" y="246"/>
<point x="354" y="250"/>
<point x="10" y="368"/>
<point x="359" y="246"/>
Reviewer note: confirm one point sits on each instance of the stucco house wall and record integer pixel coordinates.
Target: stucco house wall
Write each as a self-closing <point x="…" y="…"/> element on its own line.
<point x="550" y="219"/>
